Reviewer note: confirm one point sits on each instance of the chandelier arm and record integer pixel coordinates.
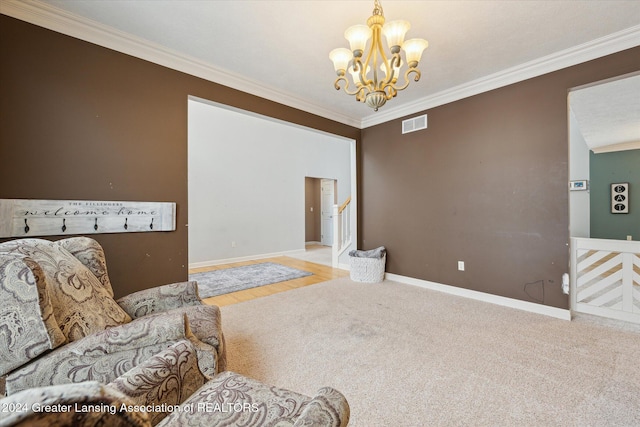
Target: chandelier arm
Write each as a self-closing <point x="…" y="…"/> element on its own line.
<point x="391" y="69"/>
<point x="383" y="58"/>
<point x="390" y="91"/>
<point x="336" y="84"/>
<point x="406" y="78"/>
<point x="358" y="67"/>
<point x="363" y="71"/>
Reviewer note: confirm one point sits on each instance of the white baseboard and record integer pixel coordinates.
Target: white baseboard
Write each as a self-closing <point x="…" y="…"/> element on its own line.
<point x="344" y="266"/>
<point x="558" y="313"/>
<point x="244" y="258"/>
<point x="313" y="243"/>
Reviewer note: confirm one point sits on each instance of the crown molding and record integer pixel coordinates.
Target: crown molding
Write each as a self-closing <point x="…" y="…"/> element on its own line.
<point x="597" y="48"/>
<point x="55" y="19"/>
<point x="623" y="146"/>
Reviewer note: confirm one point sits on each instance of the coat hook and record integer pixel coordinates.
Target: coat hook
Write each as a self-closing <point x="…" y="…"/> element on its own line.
<point x="125" y="223"/>
<point x="95" y="225"/>
<point x="64" y="225"/>
<point x="26" y="226"/>
<point x="151" y="225"/>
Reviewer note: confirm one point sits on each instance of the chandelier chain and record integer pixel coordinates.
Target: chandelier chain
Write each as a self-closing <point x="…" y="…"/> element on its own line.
<point x="377" y="8"/>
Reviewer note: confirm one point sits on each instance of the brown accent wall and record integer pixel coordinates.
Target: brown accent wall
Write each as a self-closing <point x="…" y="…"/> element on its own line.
<point x="312" y="200"/>
<point x="84" y="122"/>
<point x="486" y="184"/>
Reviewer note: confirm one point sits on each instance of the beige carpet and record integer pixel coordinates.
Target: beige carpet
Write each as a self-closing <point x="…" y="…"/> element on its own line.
<point x="407" y="356"/>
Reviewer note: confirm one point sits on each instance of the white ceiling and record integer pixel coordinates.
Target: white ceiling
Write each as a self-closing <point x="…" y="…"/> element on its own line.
<point x="608" y="114"/>
<point x="279" y="49"/>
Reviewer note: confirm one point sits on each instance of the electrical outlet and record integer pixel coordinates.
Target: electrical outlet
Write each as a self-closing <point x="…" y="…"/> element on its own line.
<point x="233" y="244"/>
<point x="460" y="265"/>
<point x="629" y="237"/>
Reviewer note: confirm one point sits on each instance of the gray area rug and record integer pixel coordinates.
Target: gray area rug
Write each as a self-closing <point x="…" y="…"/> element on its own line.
<point x="411" y="357"/>
<point x="225" y="281"/>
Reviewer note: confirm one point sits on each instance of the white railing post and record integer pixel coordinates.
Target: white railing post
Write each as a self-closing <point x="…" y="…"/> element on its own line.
<point x="573" y="275"/>
<point x="342" y="230"/>
<point x="337" y="238"/>
<point x="345" y="225"/>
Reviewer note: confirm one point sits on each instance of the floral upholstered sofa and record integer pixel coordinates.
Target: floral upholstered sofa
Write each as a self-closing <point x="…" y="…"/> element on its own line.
<point x="169" y="390"/>
<point x="59" y="322"/>
<point x="72" y="355"/>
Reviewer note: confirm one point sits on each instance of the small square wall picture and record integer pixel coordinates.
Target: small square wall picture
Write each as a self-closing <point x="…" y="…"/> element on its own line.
<point x="620" y="198"/>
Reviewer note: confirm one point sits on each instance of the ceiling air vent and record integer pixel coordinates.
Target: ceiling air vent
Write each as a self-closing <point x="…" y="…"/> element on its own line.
<point x="414" y="124"/>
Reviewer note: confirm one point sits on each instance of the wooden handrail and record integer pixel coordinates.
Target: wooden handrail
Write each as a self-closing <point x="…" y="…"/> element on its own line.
<point x="344" y="205"/>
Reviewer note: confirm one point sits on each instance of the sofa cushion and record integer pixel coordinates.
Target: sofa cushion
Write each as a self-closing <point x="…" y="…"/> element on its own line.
<point x="28" y="327"/>
<point x="91" y="254"/>
<point x="81" y="304"/>
<point x="231" y="399"/>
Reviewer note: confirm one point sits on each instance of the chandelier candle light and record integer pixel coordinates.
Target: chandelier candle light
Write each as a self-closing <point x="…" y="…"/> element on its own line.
<point x="370" y="86"/>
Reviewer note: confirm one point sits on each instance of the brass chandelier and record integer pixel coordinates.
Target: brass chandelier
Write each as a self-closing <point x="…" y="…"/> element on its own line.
<point x="376" y="76"/>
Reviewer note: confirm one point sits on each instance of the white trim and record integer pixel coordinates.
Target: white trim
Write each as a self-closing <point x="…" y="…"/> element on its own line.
<point x="53" y="18"/>
<point x="609" y="245"/>
<point x="244" y="258"/>
<point x="597" y="48"/>
<point x="264" y="117"/>
<point x="623" y="146"/>
<point x="354" y="197"/>
<point x="558" y="313"/>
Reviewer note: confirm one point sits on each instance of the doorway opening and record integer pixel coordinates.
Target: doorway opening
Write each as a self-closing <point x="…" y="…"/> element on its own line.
<point x="258" y="165"/>
<point x="604" y="149"/>
<point x="320" y="197"/>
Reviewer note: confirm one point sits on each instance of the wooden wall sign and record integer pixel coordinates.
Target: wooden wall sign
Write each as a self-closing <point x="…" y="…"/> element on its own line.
<point x="32" y="218"/>
<point x="620" y="198"/>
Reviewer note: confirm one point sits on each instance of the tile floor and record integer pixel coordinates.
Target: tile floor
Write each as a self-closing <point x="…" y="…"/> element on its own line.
<point x="315" y="253"/>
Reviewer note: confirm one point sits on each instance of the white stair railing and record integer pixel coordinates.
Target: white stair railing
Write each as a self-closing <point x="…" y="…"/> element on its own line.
<point x="605" y="278"/>
<point x="341" y="229"/>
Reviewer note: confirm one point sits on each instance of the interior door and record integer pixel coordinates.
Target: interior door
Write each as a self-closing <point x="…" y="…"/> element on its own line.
<point x="328" y="200"/>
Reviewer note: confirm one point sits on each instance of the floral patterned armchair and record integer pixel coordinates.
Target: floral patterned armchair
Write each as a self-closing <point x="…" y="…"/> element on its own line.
<point x="142" y="396"/>
<point x="60" y="324"/>
<point x="173" y="392"/>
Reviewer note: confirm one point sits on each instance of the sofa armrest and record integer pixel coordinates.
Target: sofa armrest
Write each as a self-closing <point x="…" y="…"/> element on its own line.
<point x="168" y="378"/>
<point x="161" y="298"/>
<point x="28" y="326"/>
<point x="327" y="408"/>
<point x="142" y="332"/>
<point x="85" y="404"/>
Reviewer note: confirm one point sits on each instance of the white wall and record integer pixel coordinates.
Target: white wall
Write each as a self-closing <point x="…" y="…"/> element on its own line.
<point x="579" y="201"/>
<point x="246" y="182"/>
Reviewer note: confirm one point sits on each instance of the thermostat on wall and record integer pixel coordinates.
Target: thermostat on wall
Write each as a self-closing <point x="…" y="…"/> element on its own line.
<point x="581" y="185"/>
